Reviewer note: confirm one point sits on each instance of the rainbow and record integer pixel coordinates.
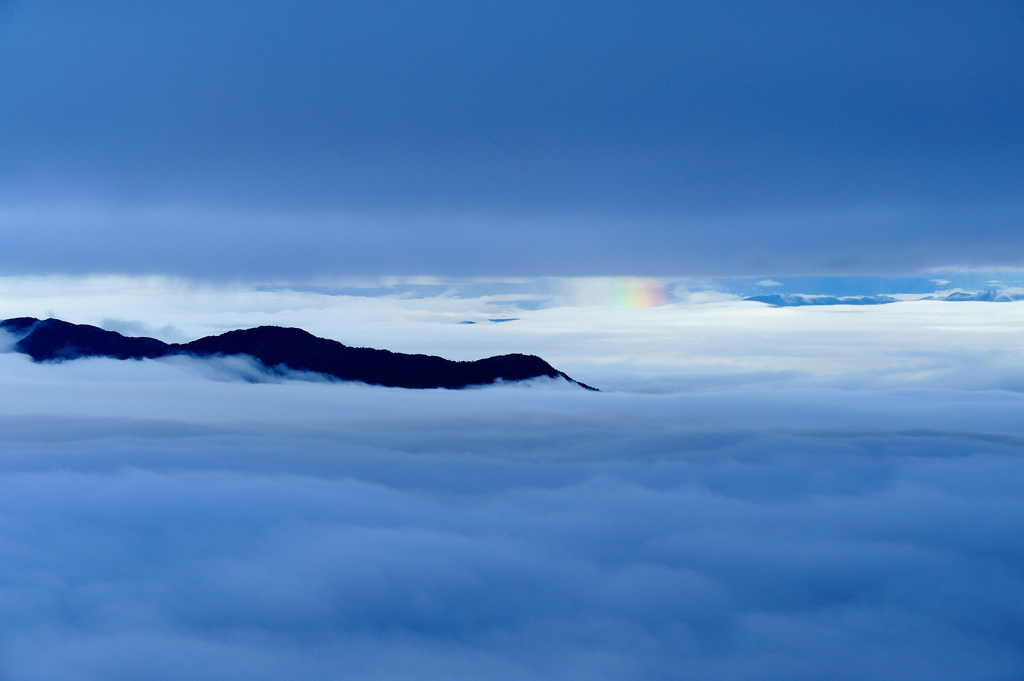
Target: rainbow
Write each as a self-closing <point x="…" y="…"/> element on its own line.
<point x="627" y="292"/>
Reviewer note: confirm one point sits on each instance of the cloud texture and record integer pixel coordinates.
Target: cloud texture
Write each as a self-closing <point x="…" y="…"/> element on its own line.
<point x="702" y="339"/>
<point x="514" y="138"/>
<point x="158" y="524"/>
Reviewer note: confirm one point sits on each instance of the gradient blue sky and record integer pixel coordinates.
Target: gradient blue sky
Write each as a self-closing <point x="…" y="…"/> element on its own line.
<point x="258" y="140"/>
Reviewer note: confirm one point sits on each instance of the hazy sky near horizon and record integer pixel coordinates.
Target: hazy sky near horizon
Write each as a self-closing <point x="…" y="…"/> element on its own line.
<point x="260" y="140"/>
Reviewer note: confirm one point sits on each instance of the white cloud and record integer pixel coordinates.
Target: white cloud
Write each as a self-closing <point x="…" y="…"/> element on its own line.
<point x="157" y="524"/>
<point x="703" y="341"/>
<point x="814" y="494"/>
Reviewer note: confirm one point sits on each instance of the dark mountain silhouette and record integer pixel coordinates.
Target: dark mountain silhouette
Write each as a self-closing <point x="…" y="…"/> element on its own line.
<point x="275" y="346"/>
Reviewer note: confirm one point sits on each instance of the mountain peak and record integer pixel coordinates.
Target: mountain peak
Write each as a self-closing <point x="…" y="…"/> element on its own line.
<point x="280" y="347"/>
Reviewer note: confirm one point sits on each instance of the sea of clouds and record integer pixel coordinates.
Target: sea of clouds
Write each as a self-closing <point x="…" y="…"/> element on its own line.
<point x="836" y="514"/>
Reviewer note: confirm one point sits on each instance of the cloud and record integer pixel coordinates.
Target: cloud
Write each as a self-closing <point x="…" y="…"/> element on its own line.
<point x="7" y="341"/>
<point x="703" y="341"/>
<point x="154" y="523"/>
<point x="168" y="333"/>
<point x="509" y="139"/>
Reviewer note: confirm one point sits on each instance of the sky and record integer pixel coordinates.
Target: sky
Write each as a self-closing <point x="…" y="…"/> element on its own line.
<point x="262" y="140"/>
<point x="758" y="491"/>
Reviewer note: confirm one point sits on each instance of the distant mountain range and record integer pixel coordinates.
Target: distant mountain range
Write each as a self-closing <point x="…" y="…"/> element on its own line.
<point x="797" y="300"/>
<point x="276" y="348"/>
<point x="984" y="296"/>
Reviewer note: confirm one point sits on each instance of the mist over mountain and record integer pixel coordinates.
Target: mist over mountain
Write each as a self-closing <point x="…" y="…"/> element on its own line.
<point x="276" y="347"/>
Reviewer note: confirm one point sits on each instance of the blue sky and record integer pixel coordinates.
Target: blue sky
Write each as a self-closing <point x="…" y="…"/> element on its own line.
<point x="259" y="140"/>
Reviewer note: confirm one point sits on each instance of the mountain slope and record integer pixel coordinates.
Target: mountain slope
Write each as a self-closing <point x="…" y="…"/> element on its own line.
<point x="275" y="346"/>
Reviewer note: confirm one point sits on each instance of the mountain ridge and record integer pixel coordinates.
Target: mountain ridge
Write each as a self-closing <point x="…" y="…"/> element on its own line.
<point x="275" y="346"/>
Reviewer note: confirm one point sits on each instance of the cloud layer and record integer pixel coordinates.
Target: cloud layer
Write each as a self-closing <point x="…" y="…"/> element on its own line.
<point x="704" y="339"/>
<point x="758" y="493"/>
<point x="154" y="523"/>
<point x="509" y="138"/>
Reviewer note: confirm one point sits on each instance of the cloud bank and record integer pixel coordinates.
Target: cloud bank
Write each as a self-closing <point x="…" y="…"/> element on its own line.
<point x="696" y="335"/>
<point x="157" y="524"/>
<point x="759" y="493"/>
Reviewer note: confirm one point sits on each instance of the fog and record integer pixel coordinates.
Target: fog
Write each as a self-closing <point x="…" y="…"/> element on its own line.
<point x="756" y="493"/>
<point x="169" y="520"/>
